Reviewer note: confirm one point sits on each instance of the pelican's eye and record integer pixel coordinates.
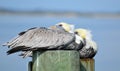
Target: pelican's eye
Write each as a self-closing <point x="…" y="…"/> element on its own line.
<point x="60" y="25"/>
<point x="76" y="32"/>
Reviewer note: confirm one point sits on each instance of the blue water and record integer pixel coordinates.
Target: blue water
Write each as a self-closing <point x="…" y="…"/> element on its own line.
<point x="66" y="5"/>
<point x="105" y="32"/>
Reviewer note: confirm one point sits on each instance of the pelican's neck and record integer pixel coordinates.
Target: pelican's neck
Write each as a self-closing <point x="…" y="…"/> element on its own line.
<point x="78" y="39"/>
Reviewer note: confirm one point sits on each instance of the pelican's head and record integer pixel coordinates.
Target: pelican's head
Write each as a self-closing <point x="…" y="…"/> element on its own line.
<point x="67" y="27"/>
<point x="84" y="33"/>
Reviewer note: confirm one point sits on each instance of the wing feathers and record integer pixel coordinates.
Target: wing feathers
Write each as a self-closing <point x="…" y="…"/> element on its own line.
<point x="39" y="38"/>
<point x="16" y="49"/>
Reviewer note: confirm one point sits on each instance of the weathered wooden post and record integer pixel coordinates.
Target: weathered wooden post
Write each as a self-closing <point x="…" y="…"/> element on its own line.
<point x="87" y="65"/>
<point x="56" y="60"/>
<point x="60" y="60"/>
<point x="30" y="66"/>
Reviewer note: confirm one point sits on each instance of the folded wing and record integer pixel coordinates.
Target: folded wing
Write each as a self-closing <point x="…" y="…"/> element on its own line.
<point x="40" y="38"/>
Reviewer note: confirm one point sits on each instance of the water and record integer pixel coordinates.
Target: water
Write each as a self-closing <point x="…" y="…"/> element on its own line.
<point x="105" y="32"/>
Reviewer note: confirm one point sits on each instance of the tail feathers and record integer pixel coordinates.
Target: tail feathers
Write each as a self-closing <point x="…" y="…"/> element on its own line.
<point x="5" y="44"/>
<point x="16" y="49"/>
<point x="11" y="42"/>
<point x="26" y="54"/>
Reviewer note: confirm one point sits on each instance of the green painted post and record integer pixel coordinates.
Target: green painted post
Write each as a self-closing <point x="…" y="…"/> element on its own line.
<point x="56" y="60"/>
<point x="87" y="65"/>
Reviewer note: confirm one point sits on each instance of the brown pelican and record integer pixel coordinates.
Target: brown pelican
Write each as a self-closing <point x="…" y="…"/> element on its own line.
<point x="90" y="48"/>
<point x="45" y="39"/>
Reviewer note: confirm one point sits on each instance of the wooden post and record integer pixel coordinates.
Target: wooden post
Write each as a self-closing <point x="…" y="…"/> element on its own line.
<point x="56" y="60"/>
<point x="30" y="66"/>
<point x="87" y="65"/>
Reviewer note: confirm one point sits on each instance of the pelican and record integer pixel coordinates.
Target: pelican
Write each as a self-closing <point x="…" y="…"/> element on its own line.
<point x="90" y="49"/>
<point x="44" y="39"/>
<point x="79" y="42"/>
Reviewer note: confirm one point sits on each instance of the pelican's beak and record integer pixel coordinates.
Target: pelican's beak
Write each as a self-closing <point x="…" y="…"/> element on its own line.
<point x="52" y="27"/>
<point x="56" y="27"/>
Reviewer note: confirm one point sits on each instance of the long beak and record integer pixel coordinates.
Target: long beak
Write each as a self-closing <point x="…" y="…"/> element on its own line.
<point x="52" y="27"/>
<point x="56" y="27"/>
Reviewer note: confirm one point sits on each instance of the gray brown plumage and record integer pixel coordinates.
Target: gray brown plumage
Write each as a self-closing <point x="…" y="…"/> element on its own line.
<point x="40" y="38"/>
<point x="90" y="49"/>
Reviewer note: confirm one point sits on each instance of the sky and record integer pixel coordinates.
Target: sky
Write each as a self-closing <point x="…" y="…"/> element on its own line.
<point x="106" y="31"/>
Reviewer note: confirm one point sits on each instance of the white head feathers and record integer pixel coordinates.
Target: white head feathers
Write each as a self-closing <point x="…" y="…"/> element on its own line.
<point x="84" y="33"/>
<point x="67" y="27"/>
